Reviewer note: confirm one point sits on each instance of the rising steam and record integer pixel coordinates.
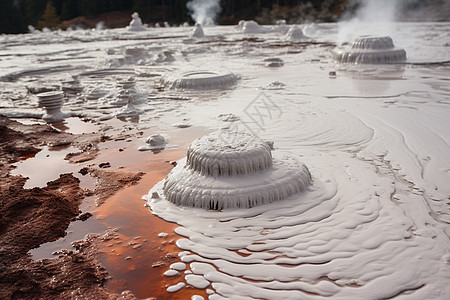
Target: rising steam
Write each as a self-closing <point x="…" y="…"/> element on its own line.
<point x="204" y="12"/>
<point x="373" y="17"/>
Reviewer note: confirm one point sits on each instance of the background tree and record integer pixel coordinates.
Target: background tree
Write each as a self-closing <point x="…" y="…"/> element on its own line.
<point x="69" y="9"/>
<point x="16" y="14"/>
<point x="49" y="18"/>
<point x="33" y="10"/>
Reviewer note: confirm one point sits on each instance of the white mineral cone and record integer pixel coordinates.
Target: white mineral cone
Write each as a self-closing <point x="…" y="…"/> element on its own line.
<point x="155" y="141"/>
<point x="52" y="102"/>
<point x="295" y="34"/>
<point x="198" y="31"/>
<point x="251" y="27"/>
<point x="136" y="23"/>
<point x="371" y="50"/>
<point x="199" y="80"/>
<point x="230" y="170"/>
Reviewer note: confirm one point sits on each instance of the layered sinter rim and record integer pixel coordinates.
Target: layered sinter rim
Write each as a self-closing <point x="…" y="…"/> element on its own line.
<point x="200" y="80"/>
<point x="373" y="43"/>
<point x="185" y="187"/>
<point x="371" y="50"/>
<point x="378" y="57"/>
<point x="227" y="169"/>
<point x="228" y="154"/>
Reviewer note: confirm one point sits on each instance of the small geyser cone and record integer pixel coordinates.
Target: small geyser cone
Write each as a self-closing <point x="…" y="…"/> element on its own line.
<point x="233" y="170"/>
<point x="199" y="80"/>
<point x="371" y="50"/>
<point x="198" y="31"/>
<point x="228" y="153"/>
<point x="136" y="23"/>
<point x="52" y="102"/>
<point x="250" y="27"/>
<point x="295" y="34"/>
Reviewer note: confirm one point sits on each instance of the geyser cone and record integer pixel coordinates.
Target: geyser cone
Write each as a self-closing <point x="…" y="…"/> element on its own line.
<point x="198" y="31"/>
<point x="231" y="170"/>
<point x="200" y="80"/>
<point x="295" y="34"/>
<point x="52" y="102"/>
<point x="371" y="50"/>
<point x="227" y="154"/>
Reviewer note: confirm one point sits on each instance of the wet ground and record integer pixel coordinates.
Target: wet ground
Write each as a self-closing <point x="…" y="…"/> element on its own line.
<point x="375" y="139"/>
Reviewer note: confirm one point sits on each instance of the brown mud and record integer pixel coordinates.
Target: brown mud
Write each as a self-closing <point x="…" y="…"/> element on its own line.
<point x="109" y="182"/>
<point x="30" y="217"/>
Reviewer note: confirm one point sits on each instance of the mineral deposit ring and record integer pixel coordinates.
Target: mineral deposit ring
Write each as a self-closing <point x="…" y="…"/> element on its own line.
<point x="185" y="187"/>
<point x="199" y="80"/>
<point x="371" y="50"/>
<point x="224" y="153"/>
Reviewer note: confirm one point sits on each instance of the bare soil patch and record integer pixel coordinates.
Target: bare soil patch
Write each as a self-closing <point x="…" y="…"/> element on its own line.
<point x="30" y="217"/>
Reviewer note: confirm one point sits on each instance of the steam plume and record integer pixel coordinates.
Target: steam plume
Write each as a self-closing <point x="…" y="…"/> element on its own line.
<point x="204" y="11"/>
<point x="373" y="17"/>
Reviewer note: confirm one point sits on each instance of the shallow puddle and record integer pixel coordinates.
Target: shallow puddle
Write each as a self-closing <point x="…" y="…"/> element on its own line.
<point x="76" y="126"/>
<point x="137" y="258"/>
<point x="50" y="160"/>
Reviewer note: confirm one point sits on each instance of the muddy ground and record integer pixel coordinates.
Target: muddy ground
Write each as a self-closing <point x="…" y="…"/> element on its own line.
<point x="30" y="217"/>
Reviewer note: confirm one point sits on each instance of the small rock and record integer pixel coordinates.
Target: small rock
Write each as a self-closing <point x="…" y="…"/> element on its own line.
<point x="83" y="171"/>
<point x="104" y="165"/>
<point x="158" y="264"/>
<point x="85" y="216"/>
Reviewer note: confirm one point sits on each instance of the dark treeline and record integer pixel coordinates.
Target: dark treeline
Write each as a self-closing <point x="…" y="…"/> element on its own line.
<point x="16" y="15"/>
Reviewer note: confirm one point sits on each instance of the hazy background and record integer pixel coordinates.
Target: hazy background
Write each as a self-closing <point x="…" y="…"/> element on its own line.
<point x="16" y="15"/>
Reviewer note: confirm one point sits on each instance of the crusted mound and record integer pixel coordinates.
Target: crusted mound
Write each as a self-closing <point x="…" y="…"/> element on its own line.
<point x="200" y="80"/>
<point x="371" y="50"/>
<point x="52" y="102"/>
<point x="295" y="34"/>
<point x="233" y="170"/>
<point x="185" y="187"/>
<point x="225" y="153"/>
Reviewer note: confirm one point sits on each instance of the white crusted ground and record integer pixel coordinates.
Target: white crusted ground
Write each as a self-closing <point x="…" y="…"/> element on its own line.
<point x="375" y="222"/>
